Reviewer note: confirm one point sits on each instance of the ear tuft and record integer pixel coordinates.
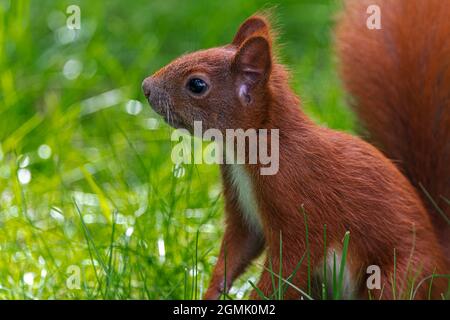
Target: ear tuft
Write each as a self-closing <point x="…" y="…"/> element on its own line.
<point x="254" y="59"/>
<point x="251" y="26"/>
<point x="251" y="67"/>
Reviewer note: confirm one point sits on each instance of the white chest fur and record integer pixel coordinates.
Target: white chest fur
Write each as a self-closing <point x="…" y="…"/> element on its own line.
<point x="245" y="192"/>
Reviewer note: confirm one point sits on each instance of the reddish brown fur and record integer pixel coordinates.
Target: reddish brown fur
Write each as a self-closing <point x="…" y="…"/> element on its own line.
<point x="400" y="79"/>
<point x="340" y="180"/>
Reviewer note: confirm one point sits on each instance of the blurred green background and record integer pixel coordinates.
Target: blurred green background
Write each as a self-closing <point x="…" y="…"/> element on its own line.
<point x="91" y="205"/>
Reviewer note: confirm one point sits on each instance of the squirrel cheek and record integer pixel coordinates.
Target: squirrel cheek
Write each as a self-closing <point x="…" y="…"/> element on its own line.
<point x="244" y="96"/>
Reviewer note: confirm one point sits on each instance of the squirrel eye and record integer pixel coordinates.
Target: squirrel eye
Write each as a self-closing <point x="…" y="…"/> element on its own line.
<point x="197" y="86"/>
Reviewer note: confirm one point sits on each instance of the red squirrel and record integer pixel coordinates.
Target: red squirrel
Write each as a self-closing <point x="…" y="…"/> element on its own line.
<point x="399" y="79"/>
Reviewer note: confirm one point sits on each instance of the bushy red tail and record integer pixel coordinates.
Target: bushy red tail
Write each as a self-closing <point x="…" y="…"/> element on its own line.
<point x="399" y="79"/>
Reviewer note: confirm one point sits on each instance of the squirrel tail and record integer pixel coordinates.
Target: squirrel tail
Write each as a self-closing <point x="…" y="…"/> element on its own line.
<point x="395" y="63"/>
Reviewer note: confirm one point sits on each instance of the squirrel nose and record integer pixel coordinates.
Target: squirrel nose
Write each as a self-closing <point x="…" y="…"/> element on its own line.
<point x="146" y="86"/>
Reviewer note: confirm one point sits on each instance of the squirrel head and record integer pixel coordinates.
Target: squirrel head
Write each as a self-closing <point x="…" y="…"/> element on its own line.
<point x="224" y="87"/>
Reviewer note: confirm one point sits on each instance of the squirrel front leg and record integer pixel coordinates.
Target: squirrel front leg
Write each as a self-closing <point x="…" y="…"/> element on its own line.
<point x="240" y="245"/>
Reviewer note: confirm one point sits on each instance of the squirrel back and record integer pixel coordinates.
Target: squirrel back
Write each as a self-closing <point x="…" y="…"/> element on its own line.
<point x="399" y="78"/>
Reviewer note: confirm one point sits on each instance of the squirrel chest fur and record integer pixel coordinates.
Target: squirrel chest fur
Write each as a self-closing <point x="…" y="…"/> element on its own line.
<point x="245" y="195"/>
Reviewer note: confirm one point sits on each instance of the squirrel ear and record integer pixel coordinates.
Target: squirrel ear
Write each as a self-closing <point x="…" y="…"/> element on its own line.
<point x="252" y="25"/>
<point x="252" y="65"/>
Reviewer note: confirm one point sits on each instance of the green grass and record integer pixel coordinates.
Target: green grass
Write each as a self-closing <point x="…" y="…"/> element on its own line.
<point x="103" y="196"/>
